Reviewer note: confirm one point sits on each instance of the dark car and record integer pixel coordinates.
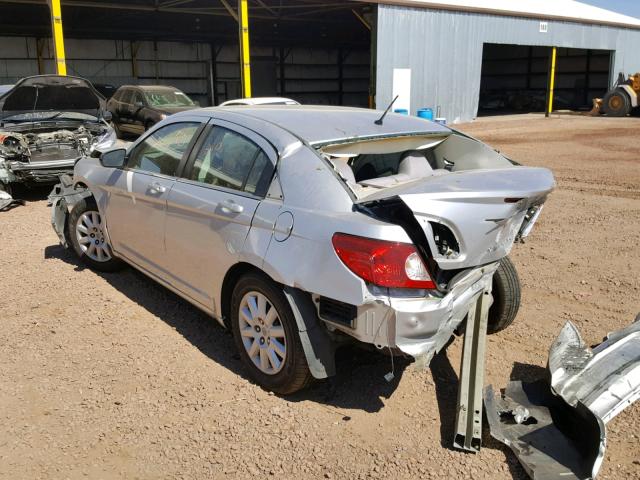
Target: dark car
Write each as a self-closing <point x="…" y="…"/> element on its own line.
<point x="105" y="89"/>
<point x="136" y="108"/>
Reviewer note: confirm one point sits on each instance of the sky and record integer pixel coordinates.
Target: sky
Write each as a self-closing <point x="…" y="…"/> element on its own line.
<point x="627" y="7"/>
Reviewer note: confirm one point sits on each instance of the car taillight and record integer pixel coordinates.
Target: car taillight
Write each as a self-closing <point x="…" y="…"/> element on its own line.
<point x="386" y="264"/>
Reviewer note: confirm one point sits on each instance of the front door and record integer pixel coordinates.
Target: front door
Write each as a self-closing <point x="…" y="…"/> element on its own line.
<point x="137" y="205"/>
<point x="210" y="209"/>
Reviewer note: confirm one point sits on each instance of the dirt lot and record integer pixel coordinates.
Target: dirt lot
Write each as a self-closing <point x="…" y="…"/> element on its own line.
<point x="111" y="376"/>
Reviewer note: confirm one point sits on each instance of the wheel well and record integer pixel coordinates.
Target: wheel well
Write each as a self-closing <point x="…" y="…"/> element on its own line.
<point x="229" y="283"/>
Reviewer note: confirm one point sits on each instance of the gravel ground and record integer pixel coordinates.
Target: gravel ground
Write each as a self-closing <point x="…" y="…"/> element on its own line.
<point x="112" y="376"/>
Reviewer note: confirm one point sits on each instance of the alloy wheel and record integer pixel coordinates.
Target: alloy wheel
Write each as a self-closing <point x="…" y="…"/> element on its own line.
<point x="91" y="236"/>
<point x="262" y="333"/>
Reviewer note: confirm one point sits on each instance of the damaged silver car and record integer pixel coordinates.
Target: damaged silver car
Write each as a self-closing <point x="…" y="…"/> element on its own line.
<point x="47" y="123"/>
<point x="302" y="228"/>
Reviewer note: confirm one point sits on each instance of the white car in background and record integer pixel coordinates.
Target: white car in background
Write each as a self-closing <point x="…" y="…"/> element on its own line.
<point x="259" y="101"/>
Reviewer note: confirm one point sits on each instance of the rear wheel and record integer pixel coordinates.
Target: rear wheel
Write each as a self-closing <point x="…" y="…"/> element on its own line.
<point x="265" y="333"/>
<point x="617" y="103"/>
<point x="506" y="297"/>
<point x="87" y="235"/>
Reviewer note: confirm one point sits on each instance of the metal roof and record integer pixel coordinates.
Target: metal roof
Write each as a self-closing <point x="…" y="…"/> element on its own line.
<point x="566" y="10"/>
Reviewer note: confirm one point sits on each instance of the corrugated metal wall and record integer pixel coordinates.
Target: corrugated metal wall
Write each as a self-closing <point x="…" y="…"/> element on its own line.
<point x="443" y="49"/>
<point x="182" y="65"/>
<point x="311" y="75"/>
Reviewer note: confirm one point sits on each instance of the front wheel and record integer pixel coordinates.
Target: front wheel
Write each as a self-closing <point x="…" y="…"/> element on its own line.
<point x="506" y="297"/>
<point x="266" y="335"/>
<point x="87" y="235"/>
<point x="616" y="103"/>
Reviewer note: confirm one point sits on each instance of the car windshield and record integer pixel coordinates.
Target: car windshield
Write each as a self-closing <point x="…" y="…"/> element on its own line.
<point x="167" y="98"/>
<point x="49" y="115"/>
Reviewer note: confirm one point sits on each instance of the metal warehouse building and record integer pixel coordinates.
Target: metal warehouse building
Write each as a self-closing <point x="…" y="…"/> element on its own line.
<point x="461" y="57"/>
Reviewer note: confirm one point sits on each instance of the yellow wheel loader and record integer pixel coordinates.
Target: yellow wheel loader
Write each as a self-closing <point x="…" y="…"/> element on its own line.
<point x="623" y="98"/>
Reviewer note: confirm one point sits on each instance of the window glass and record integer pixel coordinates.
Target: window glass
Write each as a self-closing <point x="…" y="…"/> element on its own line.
<point x="259" y="175"/>
<point x="168" y="98"/>
<point x="136" y="99"/>
<point x="228" y="159"/>
<point x="162" y="151"/>
<point x="125" y="96"/>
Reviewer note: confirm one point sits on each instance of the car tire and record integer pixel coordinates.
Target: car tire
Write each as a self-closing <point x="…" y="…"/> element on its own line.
<point x="506" y="297"/>
<point x="87" y="235"/>
<point x="266" y="334"/>
<point x="616" y="103"/>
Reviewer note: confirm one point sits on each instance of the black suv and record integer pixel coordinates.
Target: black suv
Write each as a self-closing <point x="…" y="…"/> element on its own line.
<point x="136" y="108"/>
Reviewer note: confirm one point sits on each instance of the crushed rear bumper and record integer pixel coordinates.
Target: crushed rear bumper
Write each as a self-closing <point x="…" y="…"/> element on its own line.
<point x="557" y="428"/>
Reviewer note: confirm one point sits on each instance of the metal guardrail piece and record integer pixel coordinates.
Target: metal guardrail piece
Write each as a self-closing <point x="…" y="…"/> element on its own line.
<point x="468" y="435"/>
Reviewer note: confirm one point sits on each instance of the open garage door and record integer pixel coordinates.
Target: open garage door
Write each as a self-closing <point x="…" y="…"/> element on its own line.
<point x="515" y="77"/>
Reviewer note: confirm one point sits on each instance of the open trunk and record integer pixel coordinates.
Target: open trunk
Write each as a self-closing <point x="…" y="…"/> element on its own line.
<point x="462" y="202"/>
<point x="472" y="218"/>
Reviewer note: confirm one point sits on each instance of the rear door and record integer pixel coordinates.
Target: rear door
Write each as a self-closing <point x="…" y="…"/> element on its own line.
<point x="210" y="209"/>
<point x="137" y="203"/>
<point x="122" y="109"/>
<point x="136" y="115"/>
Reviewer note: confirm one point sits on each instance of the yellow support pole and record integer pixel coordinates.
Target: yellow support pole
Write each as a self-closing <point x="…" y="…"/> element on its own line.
<point x="58" y="37"/>
<point x="552" y="81"/>
<point x="245" y="57"/>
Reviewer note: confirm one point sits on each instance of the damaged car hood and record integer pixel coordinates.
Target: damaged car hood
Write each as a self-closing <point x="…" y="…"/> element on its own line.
<point x="51" y="93"/>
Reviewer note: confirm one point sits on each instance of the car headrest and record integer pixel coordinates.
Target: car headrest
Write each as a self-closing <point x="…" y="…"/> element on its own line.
<point x="415" y="165"/>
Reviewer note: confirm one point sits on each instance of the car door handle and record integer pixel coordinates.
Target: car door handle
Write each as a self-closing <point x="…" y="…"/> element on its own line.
<point x="229" y="206"/>
<point x="157" y="187"/>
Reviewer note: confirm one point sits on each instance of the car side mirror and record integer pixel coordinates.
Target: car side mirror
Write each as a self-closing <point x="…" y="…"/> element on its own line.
<point x="113" y="158"/>
<point x="107" y="116"/>
<point x="139" y="104"/>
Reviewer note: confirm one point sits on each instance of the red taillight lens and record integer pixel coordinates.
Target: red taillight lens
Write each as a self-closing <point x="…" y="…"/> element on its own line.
<point x="387" y="264"/>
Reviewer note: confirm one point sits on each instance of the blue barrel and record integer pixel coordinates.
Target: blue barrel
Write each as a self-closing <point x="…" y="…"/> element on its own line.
<point x="425" y="113"/>
<point x="401" y="111"/>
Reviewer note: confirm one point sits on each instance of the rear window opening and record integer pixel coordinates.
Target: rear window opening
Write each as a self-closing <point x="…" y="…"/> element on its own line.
<point x="371" y="165"/>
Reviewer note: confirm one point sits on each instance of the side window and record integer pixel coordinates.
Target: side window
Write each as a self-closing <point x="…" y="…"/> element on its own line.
<point x="136" y="99"/>
<point x="228" y="159"/>
<point x="125" y="96"/>
<point x="162" y="151"/>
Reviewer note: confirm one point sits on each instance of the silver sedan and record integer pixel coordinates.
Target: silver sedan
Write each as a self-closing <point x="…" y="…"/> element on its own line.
<point x="303" y="228"/>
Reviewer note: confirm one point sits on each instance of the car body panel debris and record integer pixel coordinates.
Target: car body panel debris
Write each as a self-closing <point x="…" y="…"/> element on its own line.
<point x="557" y="428"/>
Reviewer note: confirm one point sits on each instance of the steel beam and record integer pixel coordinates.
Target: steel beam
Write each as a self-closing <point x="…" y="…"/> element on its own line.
<point x="245" y="56"/>
<point x="58" y="36"/>
<point x="552" y="82"/>
<point x="468" y="435"/>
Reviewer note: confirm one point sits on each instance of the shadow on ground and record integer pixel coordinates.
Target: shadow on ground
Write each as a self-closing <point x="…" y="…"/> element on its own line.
<point x="359" y="383"/>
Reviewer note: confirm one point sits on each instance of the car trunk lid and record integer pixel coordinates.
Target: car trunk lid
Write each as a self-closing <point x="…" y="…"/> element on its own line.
<point x="472" y="217"/>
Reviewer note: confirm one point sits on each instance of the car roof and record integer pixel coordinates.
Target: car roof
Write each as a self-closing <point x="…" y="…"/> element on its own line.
<point x="321" y="125"/>
<point x="260" y="101"/>
<point x="150" y="87"/>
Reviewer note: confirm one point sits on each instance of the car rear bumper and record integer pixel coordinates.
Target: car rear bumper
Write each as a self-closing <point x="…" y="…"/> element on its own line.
<point x="418" y="326"/>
